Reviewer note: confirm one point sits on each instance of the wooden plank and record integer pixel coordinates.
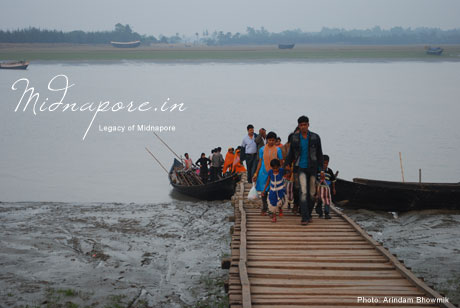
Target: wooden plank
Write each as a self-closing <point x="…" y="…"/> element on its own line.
<point x="319" y="282"/>
<point x="328" y="263"/>
<point x="332" y="300"/>
<point x="317" y="274"/>
<point x="297" y="259"/>
<point x="246" y="297"/>
<point x="320" y="265"/>
<point x="399" y="267"/>
<point x="323" y="306"/>
<point x="347" y="290"/>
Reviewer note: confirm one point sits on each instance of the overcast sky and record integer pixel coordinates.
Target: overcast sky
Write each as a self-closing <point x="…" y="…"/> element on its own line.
<point x="189" y="16"/>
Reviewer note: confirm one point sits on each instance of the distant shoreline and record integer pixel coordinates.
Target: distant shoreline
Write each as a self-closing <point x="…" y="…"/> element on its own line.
<point x="166" y="53"/>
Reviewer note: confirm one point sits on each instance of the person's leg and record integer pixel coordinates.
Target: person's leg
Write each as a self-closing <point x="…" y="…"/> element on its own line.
<point x="328" y="203"/>
<point x="311" y="192"/>
<point x="204" y="175"/>
<point x="255" y="161"/>
<point x="319" y="206"/>
<point x="212" y="169"/>
<point x="249" y="163"/>
<point x="264" y="204"/>
<point x="303" y="196"/>
<point x="296" y="194"/>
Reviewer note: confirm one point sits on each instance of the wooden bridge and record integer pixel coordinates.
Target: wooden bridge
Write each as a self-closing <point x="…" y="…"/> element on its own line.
<point x="328" y="263"/>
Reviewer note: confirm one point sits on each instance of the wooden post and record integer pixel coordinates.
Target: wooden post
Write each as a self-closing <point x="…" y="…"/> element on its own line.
<point x="402" y="170"/>
<point x="420" y="176"/>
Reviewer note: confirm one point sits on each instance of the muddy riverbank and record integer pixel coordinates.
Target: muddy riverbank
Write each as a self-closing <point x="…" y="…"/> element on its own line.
<point x="428" y="242"/>
<point x="109" y="254"/>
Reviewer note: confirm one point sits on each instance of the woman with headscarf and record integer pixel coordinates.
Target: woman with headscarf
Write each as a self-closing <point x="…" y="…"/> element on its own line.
<point x="266" y="154"/>
<point x="237" y="166"/>
<point x="229" y="158"/>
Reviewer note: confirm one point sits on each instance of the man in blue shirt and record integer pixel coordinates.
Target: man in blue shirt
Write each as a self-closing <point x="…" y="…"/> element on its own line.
<point x="306" y="153"/>
<point x="249" y="147"/>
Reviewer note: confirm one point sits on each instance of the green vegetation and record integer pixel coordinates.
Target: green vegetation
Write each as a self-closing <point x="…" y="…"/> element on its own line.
<point x="121" y="33"/>
<point x="215" y="294"/>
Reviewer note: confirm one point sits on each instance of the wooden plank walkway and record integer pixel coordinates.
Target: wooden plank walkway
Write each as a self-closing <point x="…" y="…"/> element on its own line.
<point x="328" y="263"/>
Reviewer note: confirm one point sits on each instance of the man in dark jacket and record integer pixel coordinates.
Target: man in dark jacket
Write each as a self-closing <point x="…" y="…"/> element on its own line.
<point x="306" y="154"/>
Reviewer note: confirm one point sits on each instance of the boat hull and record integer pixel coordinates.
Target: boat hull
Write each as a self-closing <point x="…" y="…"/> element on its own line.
<point x="14" y="66"/>
<point x="126" y="44"/>
<point x="396" y="196"/>
<point x="218" y="190"/>
<point x="286" y="46"/>
<point x="434" y="51"/>
<point x="221" y="189"/>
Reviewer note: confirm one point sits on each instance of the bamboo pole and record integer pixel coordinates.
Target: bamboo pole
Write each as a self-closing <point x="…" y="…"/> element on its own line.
<point x="402" y="170"/>
<point x="157" y="161"/>
<point x="180" y="158"/>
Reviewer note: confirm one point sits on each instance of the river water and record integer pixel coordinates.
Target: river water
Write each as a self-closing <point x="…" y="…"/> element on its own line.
<point x="64" y="197"/>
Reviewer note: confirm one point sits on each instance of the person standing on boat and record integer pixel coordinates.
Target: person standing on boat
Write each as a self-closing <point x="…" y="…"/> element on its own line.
<point x="203" y="162"/>
<point x="249" y="151"/>
<point x="216" y="164"/>
<point x="237" y="166"/>
<point x="306" y="153"/>
<point x="229" y="158"/>
<point x="188" y="162"/>
<point x="266" y="154"/>
<point x="220" y="163"/>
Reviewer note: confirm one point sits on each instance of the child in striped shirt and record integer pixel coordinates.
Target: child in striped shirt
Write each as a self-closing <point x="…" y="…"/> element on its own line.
<point x="325" y="180"/>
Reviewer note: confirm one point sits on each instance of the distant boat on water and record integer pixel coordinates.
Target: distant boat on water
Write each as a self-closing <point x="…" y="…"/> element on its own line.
<point x="434" y="51"/>
<point x="14" y="65"/>
<point x="286" y="46"/>
<point x="133" y="44"/>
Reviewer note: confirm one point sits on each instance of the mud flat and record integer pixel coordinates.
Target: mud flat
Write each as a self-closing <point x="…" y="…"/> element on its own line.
<point x="180" y="52"/>
<point x="428" y="242"/>
<point x="112" y="254"/>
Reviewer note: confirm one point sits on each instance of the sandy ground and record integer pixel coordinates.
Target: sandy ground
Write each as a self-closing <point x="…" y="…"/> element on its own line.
<point x="162" y="52"/>
<point x="105" y="254"/>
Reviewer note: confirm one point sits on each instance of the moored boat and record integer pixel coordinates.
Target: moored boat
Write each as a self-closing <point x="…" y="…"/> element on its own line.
<point x="126" y="44"/>
<point x="15" y="65"/>
<point x="220" y="189"/>
<point x="286" y="46"/>
<point x="397" y="196"/>
<point x="434" y="51"/>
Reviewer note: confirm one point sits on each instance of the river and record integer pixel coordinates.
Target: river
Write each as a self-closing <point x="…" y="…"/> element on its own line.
<point x="72" y="186"/>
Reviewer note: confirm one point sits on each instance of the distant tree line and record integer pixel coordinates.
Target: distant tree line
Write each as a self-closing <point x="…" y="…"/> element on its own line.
<point x="121" y="33"/>
<point x="124" y="33"/>
<point x="376" y="35"/>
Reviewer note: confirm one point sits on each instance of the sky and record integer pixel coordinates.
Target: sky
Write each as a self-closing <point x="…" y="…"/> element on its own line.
<point x="168" y="17"/>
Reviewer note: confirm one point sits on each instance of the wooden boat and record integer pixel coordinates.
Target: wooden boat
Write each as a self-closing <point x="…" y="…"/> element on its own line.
<point x="126" y="44"/>
<point x="397" y="196"/>
<point x="286" y="46"/>
<point x="434" y="51"/>
<point x="15" y="65"/>
<point x="217" y="190"/>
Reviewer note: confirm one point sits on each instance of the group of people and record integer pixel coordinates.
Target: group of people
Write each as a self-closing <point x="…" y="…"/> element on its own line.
<point x="215" y="166"/>
<point x="295" y="173"/>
